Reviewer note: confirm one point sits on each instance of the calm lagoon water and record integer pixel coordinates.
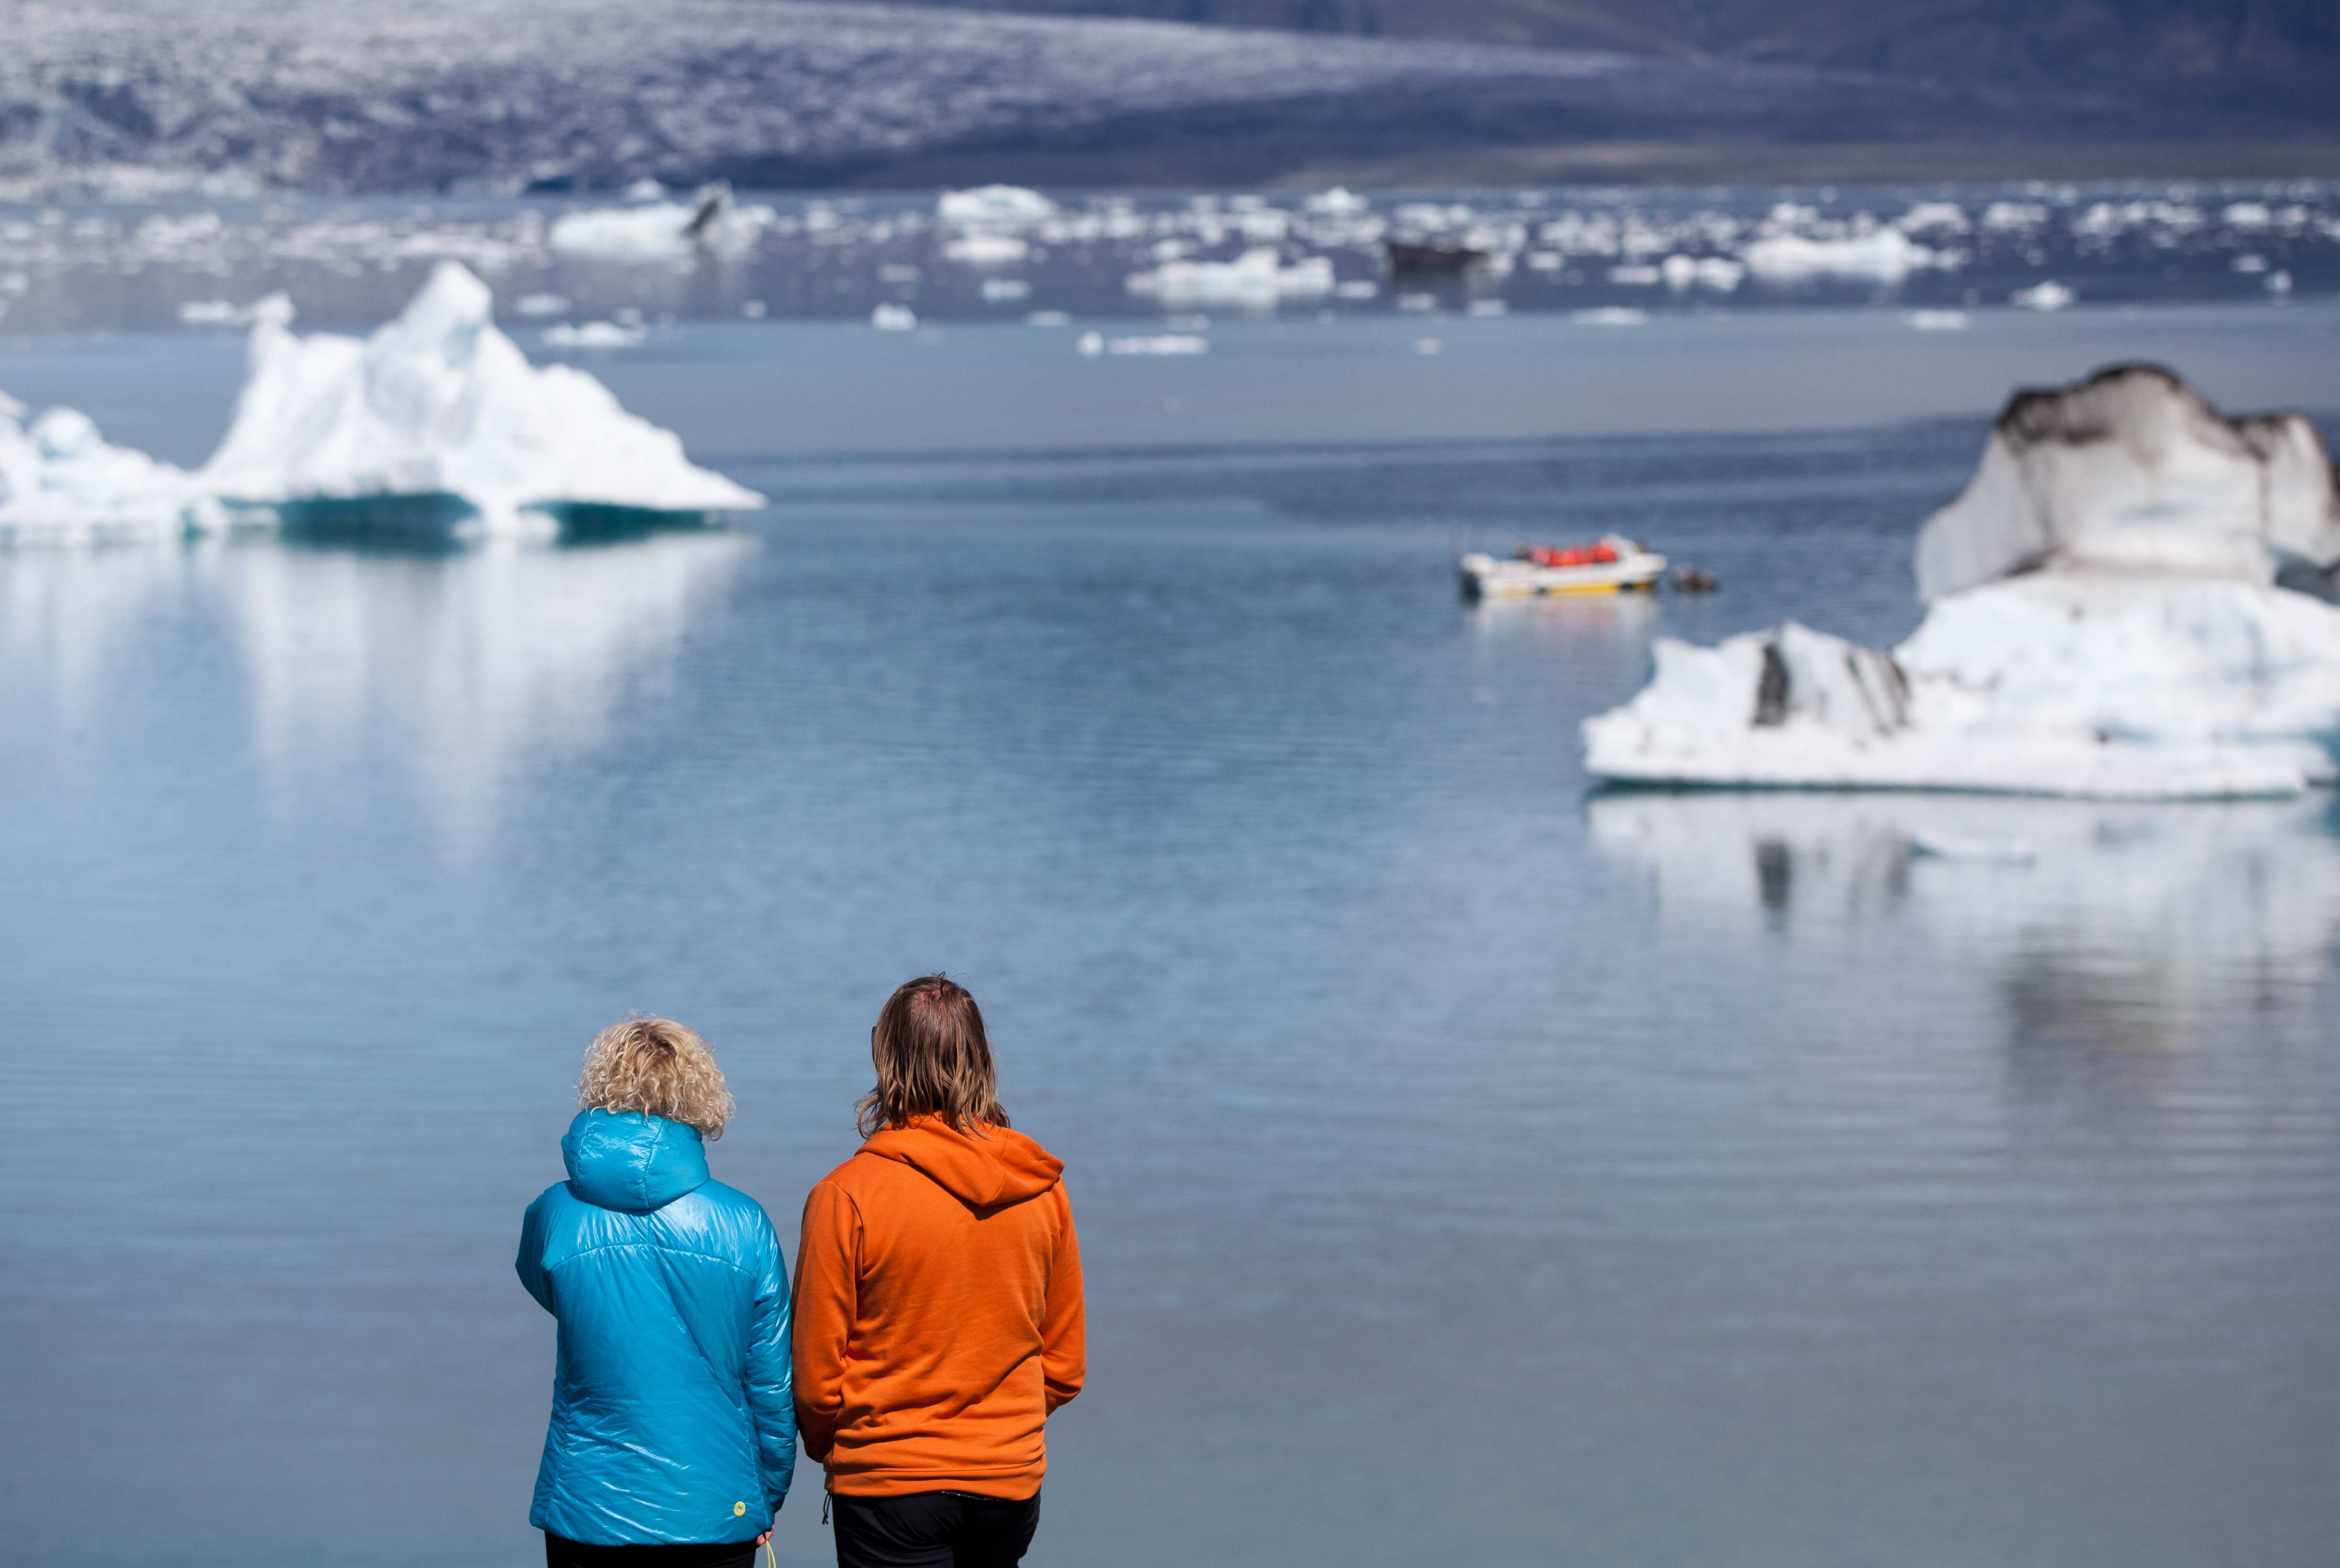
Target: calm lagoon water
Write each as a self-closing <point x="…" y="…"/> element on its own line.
<point x="1474" y="1167"/>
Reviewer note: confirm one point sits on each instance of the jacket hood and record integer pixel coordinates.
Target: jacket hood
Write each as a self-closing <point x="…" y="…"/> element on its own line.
<point x="631" y="1160"/>
<point x="1001" y="1166"/>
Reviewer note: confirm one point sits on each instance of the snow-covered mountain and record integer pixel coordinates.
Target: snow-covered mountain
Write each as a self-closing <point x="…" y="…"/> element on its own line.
<point x="506" y="95"/>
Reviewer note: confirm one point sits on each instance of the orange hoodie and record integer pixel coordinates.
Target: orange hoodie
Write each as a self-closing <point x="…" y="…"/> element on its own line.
<point x="939" y="1317"/>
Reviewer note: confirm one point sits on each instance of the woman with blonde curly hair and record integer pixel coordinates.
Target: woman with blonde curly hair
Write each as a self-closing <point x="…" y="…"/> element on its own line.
<point x="673" y="1434"/>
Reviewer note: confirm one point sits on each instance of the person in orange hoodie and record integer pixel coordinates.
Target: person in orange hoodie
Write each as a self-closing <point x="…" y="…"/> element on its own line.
<point x="938" y="1315"/>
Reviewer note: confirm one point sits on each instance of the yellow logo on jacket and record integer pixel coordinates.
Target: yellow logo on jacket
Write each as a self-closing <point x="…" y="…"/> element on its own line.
<point x="738" y="1509"/>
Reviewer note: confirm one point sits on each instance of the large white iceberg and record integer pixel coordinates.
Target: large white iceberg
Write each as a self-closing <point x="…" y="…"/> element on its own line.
<point x="2141" y="650"/>
<point x="439" y="405"/>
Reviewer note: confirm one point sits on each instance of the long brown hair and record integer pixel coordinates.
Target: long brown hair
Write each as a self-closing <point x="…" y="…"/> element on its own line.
<point x="933" y="1059"/>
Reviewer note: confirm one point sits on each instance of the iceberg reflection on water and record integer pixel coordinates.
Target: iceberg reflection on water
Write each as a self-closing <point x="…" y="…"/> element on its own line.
<point x="470" y="660"/>
<point x="2114" y="924"/>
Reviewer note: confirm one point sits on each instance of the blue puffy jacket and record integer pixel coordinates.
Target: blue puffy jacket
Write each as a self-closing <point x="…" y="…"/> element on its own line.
<point x="672" y="1415"/>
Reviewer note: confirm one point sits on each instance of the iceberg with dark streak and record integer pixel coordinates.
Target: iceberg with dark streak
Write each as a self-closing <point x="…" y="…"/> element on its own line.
<point x="2105" y="621"/>
<point x="2132" y="469"/>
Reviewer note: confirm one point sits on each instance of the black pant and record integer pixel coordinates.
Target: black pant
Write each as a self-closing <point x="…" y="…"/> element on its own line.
<point x="560" y="1552"/>
<point x="934" y="1530"/>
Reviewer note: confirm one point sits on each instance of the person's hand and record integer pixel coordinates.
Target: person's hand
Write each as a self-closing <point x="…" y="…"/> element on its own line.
<point x="766" y="1536"/>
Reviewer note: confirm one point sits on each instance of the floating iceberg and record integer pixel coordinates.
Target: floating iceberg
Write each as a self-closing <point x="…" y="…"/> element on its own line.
<point x="1257" y="277"/>
<point x="1169" y="345"/>
<point x="594" y="335"/>
<point x="1886" y="255"/>
<point x="60" y="481"/>
<point x="2104" y="622"/>
<point x="1720" y="272"/>
<point x="1006" y="206"/>
<point x="440" y="409"/>
<point x="987" y="250"/>
<point x="218" y="313"/>
<point x="661" y="231"/>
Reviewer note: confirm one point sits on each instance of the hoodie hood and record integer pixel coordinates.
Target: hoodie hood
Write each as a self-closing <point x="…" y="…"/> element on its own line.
<point x="631" y="1160"/>
<point x="1002" y="1166"/>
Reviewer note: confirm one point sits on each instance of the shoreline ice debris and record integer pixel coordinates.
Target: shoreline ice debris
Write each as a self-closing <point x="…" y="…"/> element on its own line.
<point x="2104" y="622"/>
<point x="439" y="404"/>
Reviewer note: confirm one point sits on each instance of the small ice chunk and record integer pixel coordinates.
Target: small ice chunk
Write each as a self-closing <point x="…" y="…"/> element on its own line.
<point x="1337" y="203"/>
<point x="218" y="313"/>
<point x="1417" y="301"/>
<point x="1258" y="277"/>
<point x="2249" y="263"/>
<point x="1636" y="275"/>
<point x="987" y="250"/>
<point x="1933" y="217"/>
<point x="1090" y="344"/>
<point x="1939" y="321"/>
<point x="889" y="317"/>
<point x="1610" y="316"/>
<point x="661" y="231"/>
<point x="1718" y="273"/>
<point x="994" y="204"/>
<point x="1356" y="288"/>
<point x="1046" y="319"/>
<point x="1488" y="308"/>
<point x="2014" y="215"/>
<point x="1883" y="255"/>
<point x="1428" y="346"/>
<point x="1164" y="344"/>
<point x="541" y="304"/>
<point x="594" y="335"/>
<point x="995" y="290"/>
<point x="2049" y="295"/>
